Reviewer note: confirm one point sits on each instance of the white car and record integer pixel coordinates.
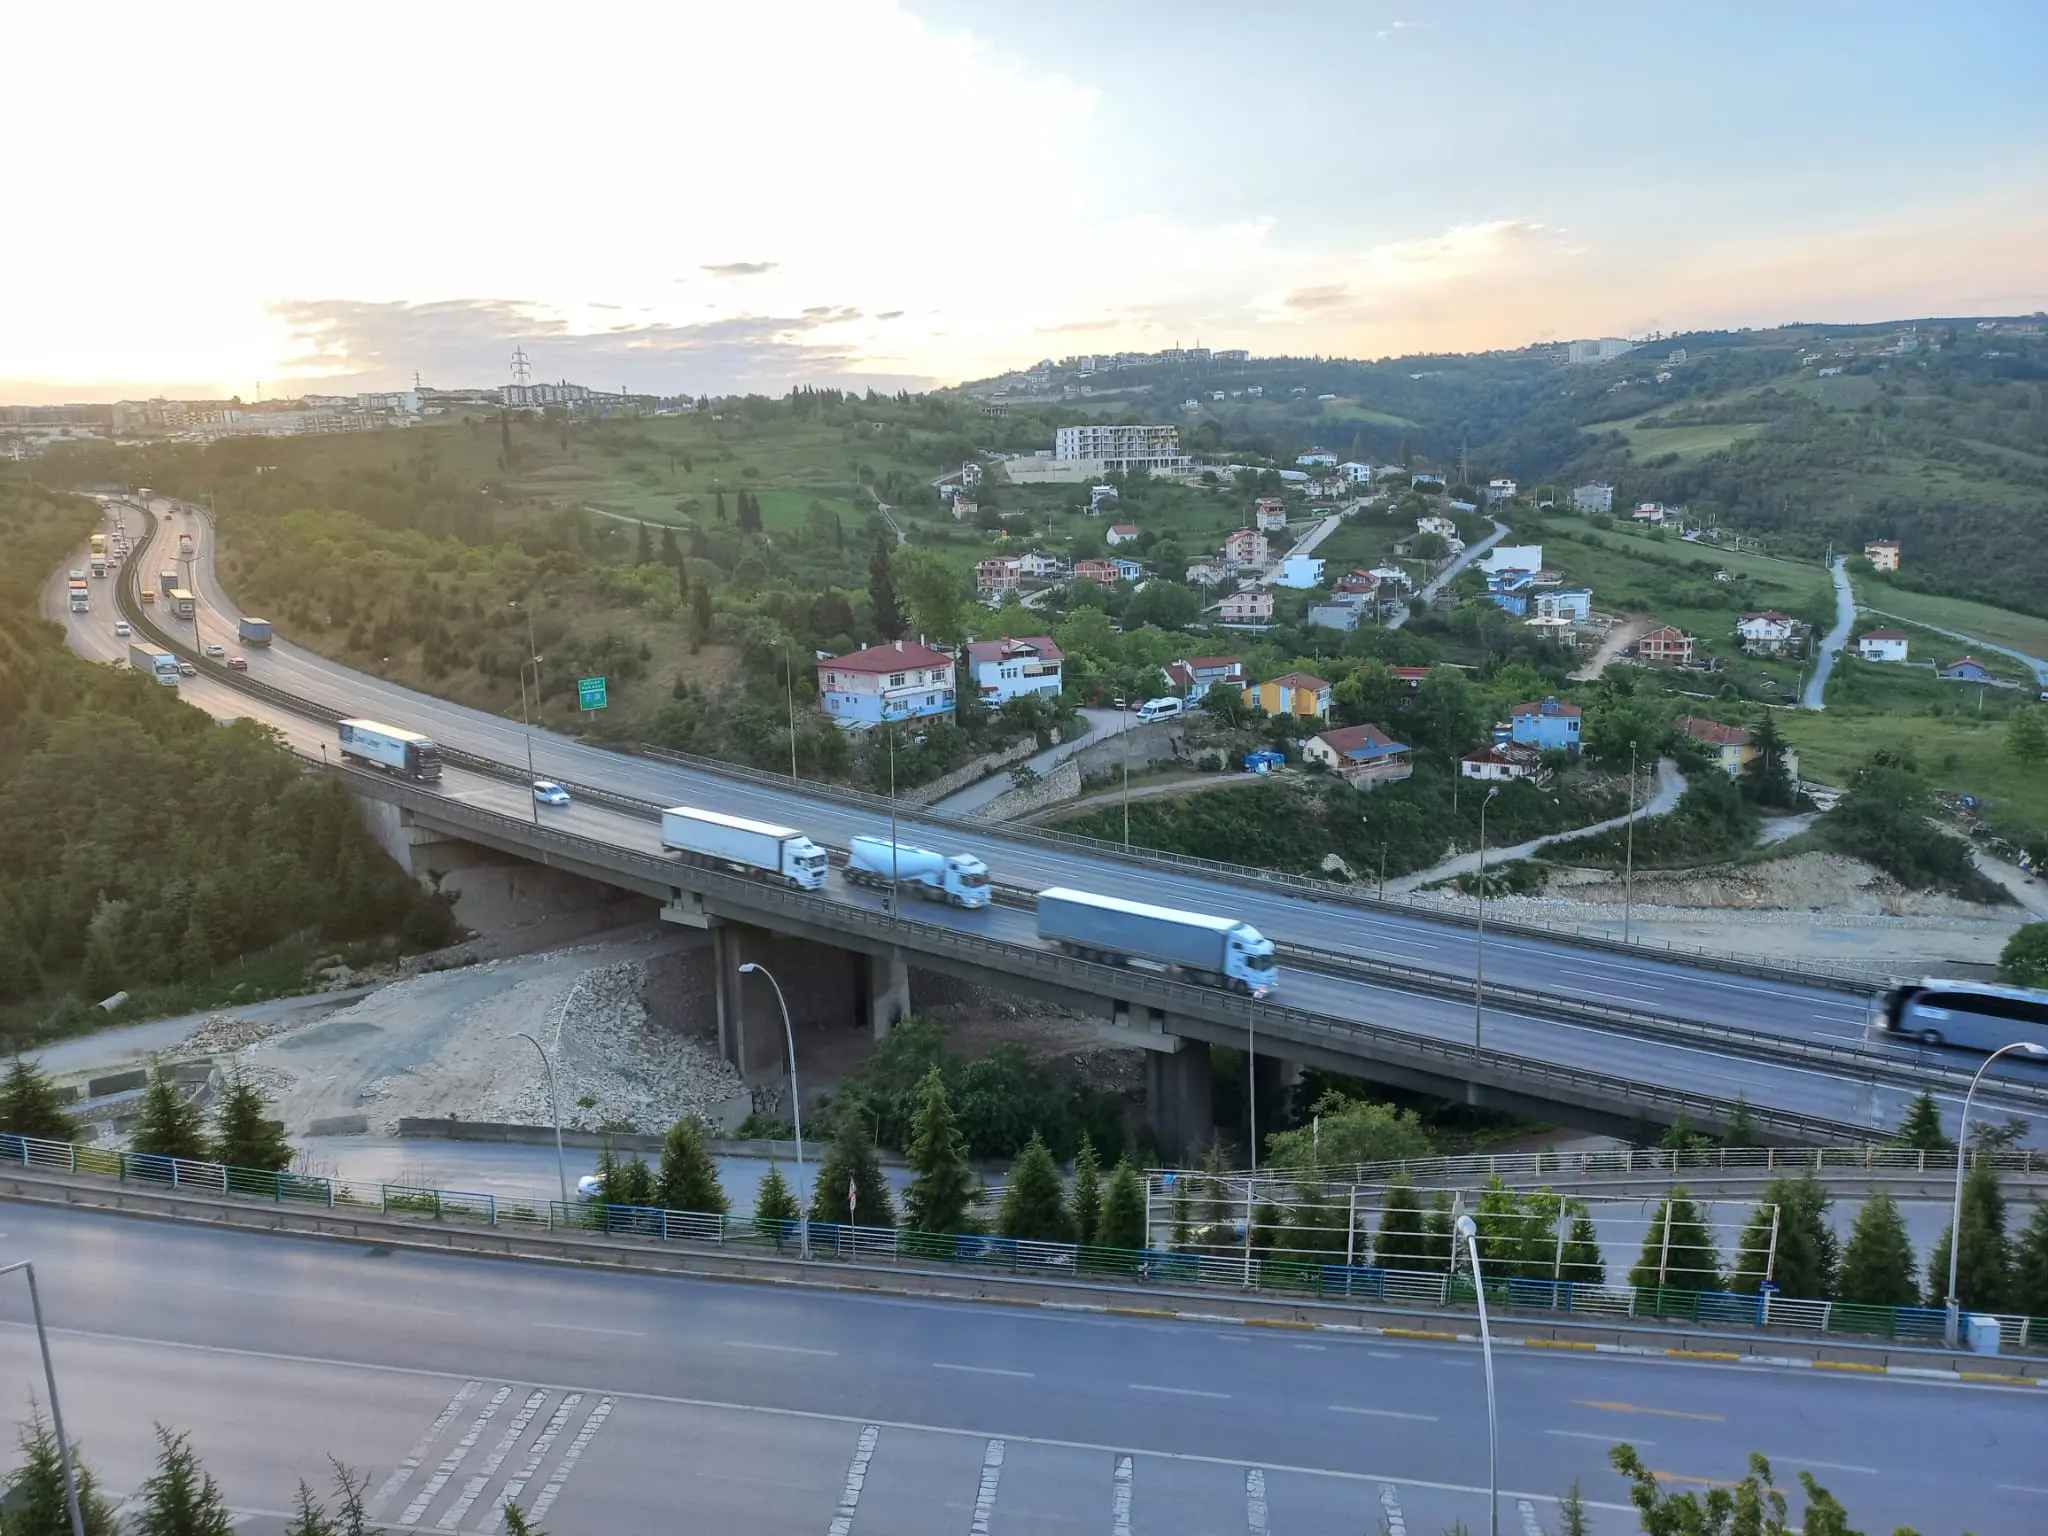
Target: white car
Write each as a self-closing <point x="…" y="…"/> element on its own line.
<point x="589" y="1186"/>
<point x="549" y="794"/>
<point x="121" y="627"/>
<point x="216" y="651"/>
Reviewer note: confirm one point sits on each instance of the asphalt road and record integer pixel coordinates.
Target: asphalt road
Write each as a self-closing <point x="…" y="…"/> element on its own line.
<point x="632" y="1404"/>
<point x="1837" y="637"/>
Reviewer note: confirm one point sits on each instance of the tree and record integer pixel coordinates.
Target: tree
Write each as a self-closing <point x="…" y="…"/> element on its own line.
<point x="34" y="1491"/>
<point x="1580" y="1261"/>
<point x="2028" y="1291"/>
<point x="2026" y="737"/>
<point x="195" y="951"/>
<point x="309" y="1516"/>
<point x="1984" y="1264"/>
<point x="1806" y="1254"/>
<point x="1087" y="1201"/>
<point x="1741" y="1131"/>
<point x="1034" y="1206"/>
<point x="850" y="1184"/>
<point x="1345" y="1130"/>
<point x="180" y="1498"/>
<point x="1315" y="1226"/>
<point x="1183" y="1235"/>
<point x="1439" y="1237"/>
<point x="245" y="1137"/>
<point x="1768" y="780"/>
<point x="700" y="613"/>
<point x="885" y="612"/>
<point x="1400" y="1243"/>
<point x="671" y="556"/>
<point x="1920" y="1126"/>
<point x="29" y="1105"/>
<point x="1445" y="714"/>
<point x="1877" y="1266"/>
<point x="941" y="1191"/>
<point x="773" y="1202"/>
<point x="1122" y="1224"/>
<point x="170" y="1124"/>
<point x="749" y="512"/>
<point x="1572" y="1519"/>
<point x="2024" y="960"/>
<point x="933" y="589"/>
<point x="688" y="1179"/>
<point x="516" y="1522"/>
<point x="1688" y="1259"/>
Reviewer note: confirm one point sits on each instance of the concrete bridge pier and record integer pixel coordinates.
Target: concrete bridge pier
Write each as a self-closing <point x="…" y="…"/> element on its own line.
<point x="825" y="987"/>
<point x="887" y="990"/>
<point x="1179" y="1102"/>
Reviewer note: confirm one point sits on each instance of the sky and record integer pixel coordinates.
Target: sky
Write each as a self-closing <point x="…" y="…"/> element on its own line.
<point x="689" y="197"/>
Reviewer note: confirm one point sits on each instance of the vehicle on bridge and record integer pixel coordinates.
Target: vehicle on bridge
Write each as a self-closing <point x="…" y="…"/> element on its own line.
<point x="959" y="879"/>
<point x="759" y="848"/>
<point x="390" y="750"/>
<point x="1977" y="1015"/>
<point x="183" y="603"/>
<point x="185" y="546"/>
<point x="154" y="661"/>
<point x="253" y="631"/>
<point x="1214" y="951"/>
<point x="167" y="582"/>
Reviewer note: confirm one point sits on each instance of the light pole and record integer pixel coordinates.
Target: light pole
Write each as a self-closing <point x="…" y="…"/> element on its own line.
<point x="555" y="1098"/>
<point x="796" y="1110"/>
<point x="789" y="694"/>
<point x="1951" y="1323"/>
<point x="895" y="863"/>
<point x="1628" y="867"/>
<point x="1123" y="730"/>
<point x="1479" y="948"/>
<point x="1469" y="1230"/>
<point x="35" y="1302"/>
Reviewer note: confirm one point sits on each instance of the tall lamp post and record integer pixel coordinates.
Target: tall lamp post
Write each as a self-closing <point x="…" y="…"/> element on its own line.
<point x="1628" y="866"/>
<point x="555" y="1100"/>
<point x="1469" y="1231"/>
<point x="796" y="1109"/>
<point x="1951" y="1324"/>
<point x="1479" y="948"/>
<point x="35" y="1302"/>
<point x="1123" y="730"/>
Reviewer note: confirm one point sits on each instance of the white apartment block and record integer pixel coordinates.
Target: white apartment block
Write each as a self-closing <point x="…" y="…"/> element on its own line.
<point x="1156" y="448"/>
<point x="1593" y="498"/>
<point x="1605" y="350"/>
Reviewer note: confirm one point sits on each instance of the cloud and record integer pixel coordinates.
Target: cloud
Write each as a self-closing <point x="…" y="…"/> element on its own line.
<point x="1388" y="33"/>
<point x="1319" y="296"/>
<point x="738" y="268"/>
<point x="890" y="314"/>
<point x="831" y="314"/>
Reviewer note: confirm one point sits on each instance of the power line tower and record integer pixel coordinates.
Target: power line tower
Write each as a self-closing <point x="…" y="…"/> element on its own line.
<point x="522" y="370"/>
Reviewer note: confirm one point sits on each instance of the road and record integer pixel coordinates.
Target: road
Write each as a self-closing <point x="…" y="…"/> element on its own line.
<point x="1845" y="618"/>
<point x="1449" y="573"/>
<point x="1646" y="980"/>
<point x="756" y="1410"/>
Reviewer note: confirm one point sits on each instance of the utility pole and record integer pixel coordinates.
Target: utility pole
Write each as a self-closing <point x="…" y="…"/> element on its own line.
<point x="1628" y="867"/>
<point x="1479" y="948"/>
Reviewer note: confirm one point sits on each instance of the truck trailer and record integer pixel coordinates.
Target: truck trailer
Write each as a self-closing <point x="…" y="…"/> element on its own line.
<point x="253" y="631"/>
<point x="386" y="748"/>
<point x="155" y="662"/>
<point x="183" y="603"/>
<point x="184" y="546"/>
<point x="782" y="854"/>
<point x="1213" y="951"/>
<point x="960" y="879"/>
<point x="167" y="582"/>
<point x="81" y="596"/>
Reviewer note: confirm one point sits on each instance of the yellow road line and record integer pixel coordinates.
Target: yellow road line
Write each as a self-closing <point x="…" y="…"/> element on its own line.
<point x="1848" y="1365"/>
<point x="1662" y="1413"/>
<point x="1702" y="1354"/>
<point x="1417" y="1333"/>
<point x="1557" y="1344"/>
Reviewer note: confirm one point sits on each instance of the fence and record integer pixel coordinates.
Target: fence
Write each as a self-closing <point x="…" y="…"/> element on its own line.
<point x="1137" y="1268"/>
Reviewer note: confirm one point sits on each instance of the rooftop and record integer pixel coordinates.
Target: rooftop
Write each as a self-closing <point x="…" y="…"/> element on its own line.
<point x="1040" y="647"/>
<point x="889" y="656"/>
<point x="1712" y="732"/>
<point x="1882" y="634"/>
<point x="1306" y="680"/>
<point x="1360" y="741"/>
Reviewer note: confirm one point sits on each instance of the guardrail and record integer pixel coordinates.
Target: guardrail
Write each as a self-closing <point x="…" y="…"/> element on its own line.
<point x="1138" y="1269"/>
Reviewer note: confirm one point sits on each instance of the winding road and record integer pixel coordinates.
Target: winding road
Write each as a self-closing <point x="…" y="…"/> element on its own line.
<point x="1845" y="619"/>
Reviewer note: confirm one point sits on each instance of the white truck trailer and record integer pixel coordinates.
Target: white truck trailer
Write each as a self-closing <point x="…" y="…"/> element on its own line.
<point x="959" y="879"/>
<point x="153" y="661"/>
<point x="754" y="848"/>
<point x="407" y="754"/>
<point x="1214" y="951"/>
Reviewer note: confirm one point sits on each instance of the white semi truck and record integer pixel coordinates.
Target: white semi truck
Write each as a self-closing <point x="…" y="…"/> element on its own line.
<point x="154" y="662"/>
<point x="755" y="848"/>
<point x="407" y="754"/>
<point x="959" y="879"/>
<point x="1214" y="951"/>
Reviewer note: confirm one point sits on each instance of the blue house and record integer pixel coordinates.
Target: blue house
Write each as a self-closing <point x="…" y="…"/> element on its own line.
<point x="1968" y="670"/>
<point x="1574" y="603"/>
<point x="1548" y="725"/>
<point x="1509" y="590"/>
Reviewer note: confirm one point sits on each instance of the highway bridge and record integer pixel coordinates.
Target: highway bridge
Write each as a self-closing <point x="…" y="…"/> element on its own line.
<point x="1592" y="1031"/>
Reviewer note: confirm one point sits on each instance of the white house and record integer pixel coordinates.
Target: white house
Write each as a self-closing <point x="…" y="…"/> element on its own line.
<point x="1500" y="761"/>
<point x="1121" y="533"/>
<point x="1572" y="604"/>
<point x="1097" y="495"/>
<point x="1206" y="573"/>
<point x="1593" y="498"/>
<point x="1443" y="527"/>
<point x="1499" y="489"/>
<point x="965" y="509"/>
<point x="1653" y="512"/>
<point x="1300" y="571"/>
<point x="1008" y="669"/>
<point x="1305" y="460"/>
<point x="1270" y="515"/>
<point x="1039" y="565"/>
<point x="1766" y="633"/>
<point x="1882" y="645"/>
<point x="1513" y="557"/>
<point x="1355" y="472"/>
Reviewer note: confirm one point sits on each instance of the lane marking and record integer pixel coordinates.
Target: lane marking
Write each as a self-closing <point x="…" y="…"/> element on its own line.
<point x="1140" y="1386"/>
<point x="1531" y="1526"/>
<point x="453" y="1459"/>
<point x="1384" y="1413"/>
<point x="1120" y="1498"/>
<point x="584" y="1436"/>
<point x="985" y="1496"/>
<point x="623" y="1333"/>
<point x="418" y="1453"/>
<point x="534" y="1458"/>
<point x="1318" y="1348"/>
<point x="985" y="1370"/>
<point x="1825" y="1466"/>
<point x="780" y="1349"/>
<point x="476" y="1485"/>
<point x="1255" y="1501"/>
<point x="856" y="1479"/>
<point x="2020" y="1488"/>
<point x="1390" y="1501"/>
<point x="1663" y="1413"/>
<point x="1586" y="1434"/>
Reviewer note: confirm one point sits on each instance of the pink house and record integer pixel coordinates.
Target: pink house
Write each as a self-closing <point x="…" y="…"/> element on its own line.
<point x="1248" y="608"/>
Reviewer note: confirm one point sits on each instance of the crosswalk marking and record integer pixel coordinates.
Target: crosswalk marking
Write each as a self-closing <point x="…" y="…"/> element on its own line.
<point x="1255" y="1501"/>
<point x="1531" y="1526"/>
<point x="535" y="1457"/>
<point x="1390" y="1502"/>
<point x="1120" y="1501"/>
<point x="591" y="1426"/>
<point x="985" y="1497"/>
<point x="453" y="1459"/>
<point x="418" y="1453"/>
<point x="856" y="1479"/>
<point x="492" y="1462"/>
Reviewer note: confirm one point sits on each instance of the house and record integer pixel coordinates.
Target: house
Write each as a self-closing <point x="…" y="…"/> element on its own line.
<point x="1443" y="527"/>
<point x="1881" y="645"/>
<point x="1652" y="512"/>
<point x="1355" y="472"/>
<point x="1967" y="670"/>
<point x="1326" y="488"/>
<point x="1593" y="498"/>
<point x="1206" y="573"/>
<point x="1121" y="533"/>
<point x="1126" y="569"/>
<point x="1574" y="605"/>
<point x="896" y="680"/>
<point x="1008" y="669"/>
<point x="1418" y="480"/>
<point x="1501" y="761"/>
<point x="1513" y="557"/>
<point x="1271" y="514"/>
<point x="1295" y="693"/>
<point x="998" y="573"/>
<point x="1308" y="460"/>
<point x="1498" y="489"/>
<point x="1300" y="571"/>
<point x="1097" y="495"/>
<point x="1546" y="725"/>
<point x="1766" y="633"/>
<point x="1356" y="583"/>
<point x="1412" y="676"/>
<point x="1337" y="614"/>
<point x="1665" y="647"/>
<point x="1731" y="746"/>
<point x="1196" y="675"/>
<point x="1247" y="608"/>
<point x="1364" y="756"/>
<point x="1246" y="547"/>
<point x="970" y="475"/>
<point x="1040" y="565"/>
<point x="1101" y="572"/>
<point x="1509" y="590"/>
<point x="1883" y="554"/>
<point x="965" y="509"/>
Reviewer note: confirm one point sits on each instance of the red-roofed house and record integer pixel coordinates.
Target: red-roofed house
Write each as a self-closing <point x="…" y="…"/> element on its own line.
<point x="998" y="573"/>
<point x="1364" y="755"/>
<point x="1245" y="547"/>
<point x="1121" y="533"/>
<point x="1008" y="669"/>
<point x="1665" y="647"/>
<point x="1500" y="761"/>
<point x="1196" y="675"/>
<point x="896" y="680"/>
<point x="1270" y="515"/>
<point x="1101" y="572"/>
<point x="1730" y="745"/>
<point x="1412" y="676"/>
<point x="1296" y="693"/>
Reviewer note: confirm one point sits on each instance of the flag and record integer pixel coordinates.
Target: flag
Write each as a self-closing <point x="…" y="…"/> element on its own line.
<point x="852" y="1199"/>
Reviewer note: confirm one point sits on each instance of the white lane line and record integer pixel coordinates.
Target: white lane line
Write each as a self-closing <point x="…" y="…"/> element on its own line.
<point x="984" y="1370"/>
<point x="476" y="1485"/>
<point x="779" y="1349"/>
<point x="1120" y="1499"/>
<point x="534" y="1458"/>
<point x="453" y="1459"/>
<point x="1390" y="1502"/>
<point x="1825" y="1466"/>
<point x="1581" y="1434"/>
<point x="584" y="1436"/>
<point x="623" y="1333"/>
<point x="1316" y="1348"/>
<point x="418" y="1453"/>
<point x="1616" y="997"/>
<point x="856" y="1478"/>
<point x="1255" y="1501"/>
<point x="985" y="1496"/>
<point x="1531" y="1526"/>
<point x="1384" y="1413"/>
<point x="1140" y="1386"/>
<point x="2020" y="1488"/>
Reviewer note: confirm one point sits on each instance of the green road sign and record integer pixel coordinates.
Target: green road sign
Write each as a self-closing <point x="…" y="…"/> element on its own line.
<point x="590" y="693"/>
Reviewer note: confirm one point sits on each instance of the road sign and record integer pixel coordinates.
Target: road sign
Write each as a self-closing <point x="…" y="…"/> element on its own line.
<point x="590" y="693"/>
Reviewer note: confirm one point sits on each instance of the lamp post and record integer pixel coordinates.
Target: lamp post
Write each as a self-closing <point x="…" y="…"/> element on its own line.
<point x="35" y="1302"/>
<point x="526" y="720"/>
<point x="1123" y="730"/>
<point x="1479" y="948"/>
<point x="555" y="1100"/>
<point x="895" y="862"/>
<point x="1951" y="1323"/>
<point x="1628" y="867"/>
<point x="789" y="695"/>
<point x="1469" y="1230"/>
<point x="796" y="1109"/>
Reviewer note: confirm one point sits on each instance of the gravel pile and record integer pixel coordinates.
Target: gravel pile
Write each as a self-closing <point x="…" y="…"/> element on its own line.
<point x="220" y="1033"/>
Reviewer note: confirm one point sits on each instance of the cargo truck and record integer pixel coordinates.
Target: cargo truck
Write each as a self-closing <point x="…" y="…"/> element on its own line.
<point x="782" y="854"/>
<point x="81" y="597"/>
<point x="184" y="546"/>
<point x="167" y="581"/>
<point x="155" y="662"/>
<point x="386" y="748"/>
<point x="183" y="603"/>
<point x="1213" y="951"/>
<point x="959" y="878"/>
<point x="253" y="631"/>
<point x="99" y="565"/>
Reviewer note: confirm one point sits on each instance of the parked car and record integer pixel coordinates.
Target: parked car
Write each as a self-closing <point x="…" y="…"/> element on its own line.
<point x="121" y="626"/>
<point x="240" y="664"/>
<point x="549" y="794"/>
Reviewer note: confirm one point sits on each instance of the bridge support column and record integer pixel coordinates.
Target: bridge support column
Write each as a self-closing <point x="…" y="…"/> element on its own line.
<point x="888" y="991"/>
<point x="749" y="1024"/>
<point x="1178" y="1097"/>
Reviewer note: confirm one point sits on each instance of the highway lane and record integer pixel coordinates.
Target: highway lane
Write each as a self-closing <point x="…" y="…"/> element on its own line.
<point x="739" y="1409"/>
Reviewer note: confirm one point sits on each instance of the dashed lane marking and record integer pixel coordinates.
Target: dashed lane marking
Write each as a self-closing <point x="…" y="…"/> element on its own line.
<point x="984" y="1370"/>
<point x="856" y="1479"/>
<point x="1384" y="1413"/>
<point x="1141" y="1386"/>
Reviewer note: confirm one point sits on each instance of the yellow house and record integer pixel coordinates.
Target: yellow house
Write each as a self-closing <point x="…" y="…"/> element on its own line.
<point x="1883" y="554"/>
<point x="1731" y="747"/>
<point x="1297" y="693"/>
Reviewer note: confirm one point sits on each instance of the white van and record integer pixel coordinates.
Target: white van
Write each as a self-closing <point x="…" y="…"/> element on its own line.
<point x="1159" y="709"/>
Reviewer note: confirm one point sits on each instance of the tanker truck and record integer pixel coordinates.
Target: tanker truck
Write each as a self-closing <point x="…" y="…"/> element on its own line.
<point x="959" y="879"/>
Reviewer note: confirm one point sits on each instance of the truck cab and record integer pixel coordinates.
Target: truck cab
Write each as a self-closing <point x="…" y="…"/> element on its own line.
<point x="967" y="881"/>
<point x="1248" y="961"/>
<point x="804" y="864"/>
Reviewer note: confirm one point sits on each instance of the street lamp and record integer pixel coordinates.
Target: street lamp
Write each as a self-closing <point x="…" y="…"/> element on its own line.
<point x="554" y="1095"/>
<point x="1479" y="948"/>
<point x="1469" y="1230"/>
<point x="796" y="1109"/>
<point x="1123" y="730"/>
<point x="1950" y="1324"/>
<point x="35" y="1302"/>
<point x="1628" y="868"/>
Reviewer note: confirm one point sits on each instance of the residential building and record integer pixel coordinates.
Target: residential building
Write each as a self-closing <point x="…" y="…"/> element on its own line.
<point x="1766" y="633"/>
<point x="1501" y="761"/>
<point x="998" y="573"/>
<point x="1247" y="608"/>
<point x="1513" y="557"/>
<point x="1419" y="479"/>
<point x="896" y="680"/>
<point x="1246" y="548"/>
<point x="1881" y="645"/>
<point x="1355" y="472"/>
<point x="1604" y="350"/>
<point x="1412" y="676"/>
<point x="1883" y="554"/>
<point x="1121" y="533"/>
<point x="1593" y="498"/>
<point x="1356" y="583"/>
<point x="1300" y="572"/>
<point x="1572" y="604"/>
<point x="1126" y="568"/>
<point x="1443" y="527"/>
<point x="1499" y="489"/>
<point x="1271" y="514"/>
<point x="1101" y="572"/>
<point x="1040" y="565"/>
<point x="1196" y="675"/>
<point x="1311" y="460"/>
<point x="1546" y="725"/>
<point x="970" y="475"/>
<point x="1665" y="647"/>
<point x="1365" y="756"/>
<point x="1154" y="448"/>
<point x="1730" y="746"/>
<point x="1967" y="670"/>
<point x="1097" y="495"/>
<point x="1344" y="617"/>
<point x="1206" y="573"/>
<point x="1652" y="513"/>
<point x="1509" y="590"/>
<point x="1007" y="669"/>
<point x="965" y="509"/>
<point x="1295" y="693"/>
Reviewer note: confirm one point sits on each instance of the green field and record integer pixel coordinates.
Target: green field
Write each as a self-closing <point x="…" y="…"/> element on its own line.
<point x="1952" y="753"/>
<point x="2001" y="626"/>
<point x="1687" y="442"/>
<point x="1351" y="410"/>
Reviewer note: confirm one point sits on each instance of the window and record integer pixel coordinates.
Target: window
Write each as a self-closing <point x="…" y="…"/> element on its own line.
<point x="896" y="680"/>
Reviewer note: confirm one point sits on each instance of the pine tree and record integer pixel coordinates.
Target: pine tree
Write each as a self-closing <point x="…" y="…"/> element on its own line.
<point x="700" y="613"/>
<point x="773" y="1201"/>
<point x="1877" y="1266"/>
<point x="180" y="1498"/>
<point x="887" y="612"/>
<point x="350" y="1486"/>
<point x="1438" y="1232"/>
<point x="720" y="508"/>
<point x="1400" y="1243"/>
<point x="1183" y="1215"/>
<point x="1087" y="1191"/>
<point x="169" y="1125"/>
<point x="942" y="1189"/>
<point x="670" y="555"/>
<point x="1219" y="1210"/>
<point x="309" y="1516"/>
<point x="1689" y="1262"/>
<point x="1807" y="1255"/>
<point x="1034" y="1206"/>
<point x="245" y="1137"/>
<point x="1572" y="1519"/>
<point x="2028" y="1292"/>
<point x="1581" y="1262"/>
<point x="1984" y="1264"/>
<point x="1315" y="1230"/>
<point x="29" y="1106"/>
<point x="34" y="1491"/>
<point x="195" y="951"/>
<point x="1122" y="1222"/>
<point x="636" y="1182"/>
<point x="1741" y="1131"/>
<point x="688" y="1180"/>
<point x="1920" y="1126"/>
<point x="1500" y="1219"/>
<point x="851" y="1160"/>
